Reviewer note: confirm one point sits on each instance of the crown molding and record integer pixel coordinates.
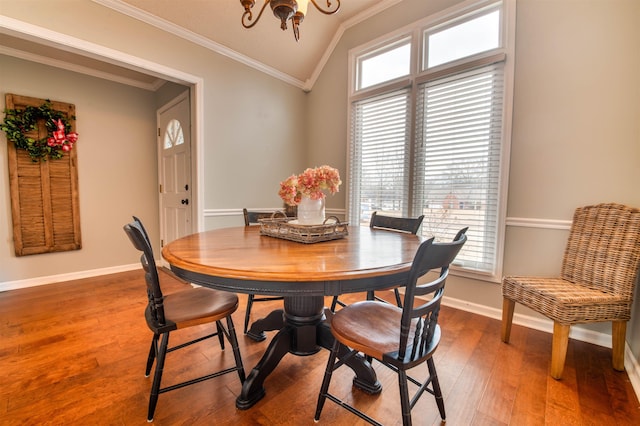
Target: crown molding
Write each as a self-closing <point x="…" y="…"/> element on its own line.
<point x="171" y="28"/>
<point x="44" y="60"/>
<point x="71" y="44"/>
<point x="148" y="18"/>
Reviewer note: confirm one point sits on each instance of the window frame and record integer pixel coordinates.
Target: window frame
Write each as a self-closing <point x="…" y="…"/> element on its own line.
<point x="417" y="33"/>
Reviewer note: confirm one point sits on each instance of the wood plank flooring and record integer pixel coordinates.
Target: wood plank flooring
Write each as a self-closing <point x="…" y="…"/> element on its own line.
<point x="74" y="353"/>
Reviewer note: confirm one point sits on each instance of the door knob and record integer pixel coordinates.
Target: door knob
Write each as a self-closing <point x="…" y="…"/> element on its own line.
<point x="185" y="201"/>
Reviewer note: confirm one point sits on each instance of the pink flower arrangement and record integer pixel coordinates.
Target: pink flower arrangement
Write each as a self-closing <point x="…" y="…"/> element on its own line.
<point x="310" y="183"/>
<point x="62" y="139"/>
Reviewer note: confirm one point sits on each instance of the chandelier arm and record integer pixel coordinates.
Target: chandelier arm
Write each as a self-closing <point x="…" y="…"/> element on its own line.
<point x="328" y="11"/>
<point x="249" y="16"/>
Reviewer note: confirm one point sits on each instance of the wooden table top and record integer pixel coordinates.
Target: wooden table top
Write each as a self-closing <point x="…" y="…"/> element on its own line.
<point x="241" y="253"/>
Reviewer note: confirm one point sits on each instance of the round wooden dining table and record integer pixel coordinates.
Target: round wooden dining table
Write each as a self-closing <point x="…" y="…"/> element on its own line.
<point x="241" y="260"/>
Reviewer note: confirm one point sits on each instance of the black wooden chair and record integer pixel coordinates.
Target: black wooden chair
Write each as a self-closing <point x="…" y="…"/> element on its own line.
<point x="253" y="218"/>
<point x="180" y="310"/>
<point x="391" y="223"/>
<point x="400" y="338"/>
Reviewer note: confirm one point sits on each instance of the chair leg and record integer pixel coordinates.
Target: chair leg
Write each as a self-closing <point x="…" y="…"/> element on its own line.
<point x="247" y="313"/>
<point x="508" y="307"/>
<point x="405" y="404"/>
<point x="324" y="389"/>
<point x="559" y="349"/>
<point x="618" y="337"/>
<point x="157" y="377"/>
<point x="396" y="292"/>
<point x="220" y="334"/>
<point x="437" y="392"/>
<point x="152" y="354"/>
<point x="233" y="339"/>
<point x="334" y="302"/>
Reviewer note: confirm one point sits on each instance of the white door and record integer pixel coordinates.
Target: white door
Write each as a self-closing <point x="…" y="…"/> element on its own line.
<point x="174" y="168"/>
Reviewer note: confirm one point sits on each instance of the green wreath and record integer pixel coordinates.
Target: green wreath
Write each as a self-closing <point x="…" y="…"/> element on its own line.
<point x="60" y="139"/>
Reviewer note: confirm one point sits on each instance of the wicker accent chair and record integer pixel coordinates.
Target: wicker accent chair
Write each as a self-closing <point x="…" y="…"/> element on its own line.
<point x="598" y="276"/>
<point x="391" y="223"/>
<point x="165" y="314"/>
<point x="253" y="218"/>
<point x="399" y="338"/>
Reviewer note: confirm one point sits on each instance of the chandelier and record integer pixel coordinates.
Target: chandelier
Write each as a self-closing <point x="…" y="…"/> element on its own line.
<point x="285" y="10"/>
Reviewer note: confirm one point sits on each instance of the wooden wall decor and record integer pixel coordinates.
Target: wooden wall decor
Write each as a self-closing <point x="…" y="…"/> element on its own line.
<point x="44" y="195"/>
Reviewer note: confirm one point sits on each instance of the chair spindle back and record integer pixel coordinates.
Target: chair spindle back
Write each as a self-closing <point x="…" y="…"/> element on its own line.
<point x="140" y="240"/>
<point x="420" y="315"/>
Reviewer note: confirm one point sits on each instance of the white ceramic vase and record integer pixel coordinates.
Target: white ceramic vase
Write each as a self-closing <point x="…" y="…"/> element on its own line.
<point x="311" y="212"/>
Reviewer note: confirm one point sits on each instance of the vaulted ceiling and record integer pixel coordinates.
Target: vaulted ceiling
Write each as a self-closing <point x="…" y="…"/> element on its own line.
<point x="216" y="24"/>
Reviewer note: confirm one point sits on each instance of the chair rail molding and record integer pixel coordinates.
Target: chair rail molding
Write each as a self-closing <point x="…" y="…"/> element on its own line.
<point x="238" y="212"/>
<point x="527" y="222"/>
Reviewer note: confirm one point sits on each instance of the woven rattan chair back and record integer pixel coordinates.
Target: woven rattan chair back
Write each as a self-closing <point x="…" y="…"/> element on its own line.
<point x="603" y="249"/>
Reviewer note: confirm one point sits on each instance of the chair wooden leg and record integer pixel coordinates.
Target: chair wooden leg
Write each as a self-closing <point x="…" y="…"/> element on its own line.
<point x="324" y="389"/>
<point x="405" y="403"/>
<point x="559" y="349"/>
<point x="618" y="338"/>
<point x="220" y="334"/>
<point x="334" y="302"/>
<point x="396" y="292"/>
<point x="437" y="392"/>
<point x="247" y="313"/>
<point x="508" y="307"/>
<point x="233" y="339"/>
<point x="157" y="377"/>
<point x="152" y="355"/>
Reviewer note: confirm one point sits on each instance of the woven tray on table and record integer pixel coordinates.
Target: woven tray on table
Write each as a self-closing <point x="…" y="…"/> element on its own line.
<point x="286" y="228"/>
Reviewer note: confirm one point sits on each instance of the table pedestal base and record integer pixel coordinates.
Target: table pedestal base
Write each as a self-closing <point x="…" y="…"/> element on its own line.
<point x="303" y="330"/>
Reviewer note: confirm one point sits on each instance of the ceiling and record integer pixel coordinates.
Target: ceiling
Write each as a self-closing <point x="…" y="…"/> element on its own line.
<point x="216" y="25"/>
<point x="266" y="43"/>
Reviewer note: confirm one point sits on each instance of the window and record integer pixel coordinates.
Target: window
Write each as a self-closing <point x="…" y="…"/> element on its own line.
<point x="462" y="39"/>
<point x="173" y="135"/>
<point x="434" y="141"/>
<point x="386" y="64"/>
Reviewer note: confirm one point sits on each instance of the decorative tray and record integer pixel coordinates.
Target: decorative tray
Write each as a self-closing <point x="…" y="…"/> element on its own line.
<point x="286" y="228"/>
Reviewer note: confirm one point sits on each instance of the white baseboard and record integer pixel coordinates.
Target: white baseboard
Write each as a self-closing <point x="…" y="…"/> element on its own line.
<point x="51" y="279"/>
<point x="633" y="369"/>
<point x="631" y="365"/>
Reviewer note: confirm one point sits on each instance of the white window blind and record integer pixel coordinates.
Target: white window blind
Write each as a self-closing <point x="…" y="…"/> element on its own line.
<point x="457" y="154"/>
<point x="436" y="142"/>
<point x="379" y="175"/>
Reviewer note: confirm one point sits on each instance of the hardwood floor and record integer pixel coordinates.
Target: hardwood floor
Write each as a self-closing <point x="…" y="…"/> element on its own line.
<point x="74" y="353"/>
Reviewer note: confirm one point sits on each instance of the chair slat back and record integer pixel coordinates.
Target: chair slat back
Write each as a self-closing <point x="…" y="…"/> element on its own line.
<point x="253" y="217"/>
<point x="603" y="250"/>
<point x="417" y="314"/>
<point x="140" y="240"/>
<point x="404" y="224"/>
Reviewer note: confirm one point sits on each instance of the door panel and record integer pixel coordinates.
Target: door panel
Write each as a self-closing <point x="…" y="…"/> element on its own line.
<point x="174" y="144"/>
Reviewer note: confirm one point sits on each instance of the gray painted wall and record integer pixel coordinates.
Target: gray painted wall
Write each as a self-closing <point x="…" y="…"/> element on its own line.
<point x="576" y="125"/>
